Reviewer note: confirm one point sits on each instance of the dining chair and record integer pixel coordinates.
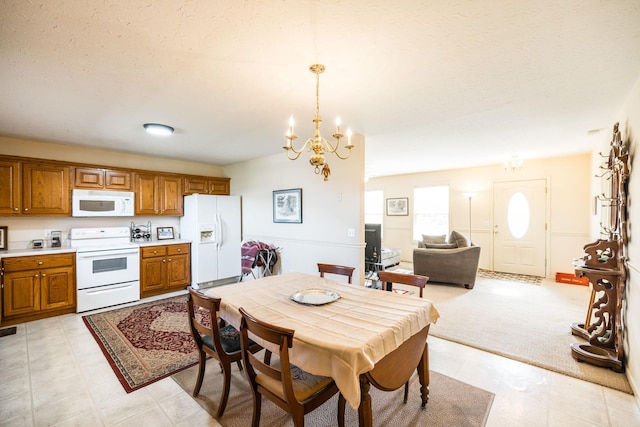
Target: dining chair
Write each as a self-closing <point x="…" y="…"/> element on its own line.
<point x="388" y="278"/>
<point x="214" y="338"/>
<point x="294" y="390"/>
<point x="335" y="269"/>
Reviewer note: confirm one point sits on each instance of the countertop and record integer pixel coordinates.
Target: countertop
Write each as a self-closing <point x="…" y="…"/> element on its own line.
<point x="67" y="249"/>
<point x="161" y="242"/>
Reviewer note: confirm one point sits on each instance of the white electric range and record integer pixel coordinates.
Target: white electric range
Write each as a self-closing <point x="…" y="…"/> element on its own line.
<point x="107" y="267"/>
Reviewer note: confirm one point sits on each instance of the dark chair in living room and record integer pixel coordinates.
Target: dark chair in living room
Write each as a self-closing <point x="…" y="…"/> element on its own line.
<point x="292" y="389"/>
<point x="388" y="278"/>
<point x="336" y="269"/>
<point x="215" y="339"/>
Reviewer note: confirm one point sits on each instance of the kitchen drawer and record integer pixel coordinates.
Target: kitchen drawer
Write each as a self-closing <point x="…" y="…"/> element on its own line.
<point x="182" y="248"/>
<point x="152" y="251"/>
<point x="36" y="262"/>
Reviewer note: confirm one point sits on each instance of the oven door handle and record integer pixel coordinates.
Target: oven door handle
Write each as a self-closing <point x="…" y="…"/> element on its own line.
<point x="111" y="288"/>
<point x="102" y="254"/>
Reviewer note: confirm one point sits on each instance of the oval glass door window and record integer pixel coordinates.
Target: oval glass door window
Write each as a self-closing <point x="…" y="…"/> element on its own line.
<point x="518" y="215"/>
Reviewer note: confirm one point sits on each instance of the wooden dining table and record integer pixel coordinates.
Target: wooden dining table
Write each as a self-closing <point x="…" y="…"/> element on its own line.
<point x="364" y="337"/>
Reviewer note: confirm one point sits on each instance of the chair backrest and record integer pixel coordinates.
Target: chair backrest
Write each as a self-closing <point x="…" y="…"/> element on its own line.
<point x="203" y="318"/>
<point x="280" y="337"/>
<point x="390" y="277"/>
<point x="336" y="269"/>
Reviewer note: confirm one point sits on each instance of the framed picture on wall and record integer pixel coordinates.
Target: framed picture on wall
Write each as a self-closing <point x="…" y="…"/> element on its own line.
<point x="398" y="206"/>
<point x="287" y="206"/>
<point x="3" y="238"/>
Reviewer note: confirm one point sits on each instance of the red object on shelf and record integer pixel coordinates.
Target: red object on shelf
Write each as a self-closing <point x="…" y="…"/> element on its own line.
<point x="571" y="278"/>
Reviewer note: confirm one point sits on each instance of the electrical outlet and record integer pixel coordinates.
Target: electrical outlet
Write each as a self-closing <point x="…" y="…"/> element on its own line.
<point x="47" y="233"/>
<point x="351" y="232"/>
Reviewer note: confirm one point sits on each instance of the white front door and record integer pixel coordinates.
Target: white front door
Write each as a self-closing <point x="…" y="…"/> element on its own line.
<point x="519" y="234"/>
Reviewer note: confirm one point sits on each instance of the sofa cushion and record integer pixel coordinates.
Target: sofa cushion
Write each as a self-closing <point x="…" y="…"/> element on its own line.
<point x="460" y="240"/>
<point x="434" y="239"/>
<point x="439" y="245"/>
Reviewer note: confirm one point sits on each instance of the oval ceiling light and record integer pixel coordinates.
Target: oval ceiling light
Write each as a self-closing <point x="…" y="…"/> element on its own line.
<point x="158" y="129"/>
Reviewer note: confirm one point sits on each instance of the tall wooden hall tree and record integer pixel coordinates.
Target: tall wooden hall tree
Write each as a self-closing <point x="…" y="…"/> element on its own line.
<point x="605" y="267"/>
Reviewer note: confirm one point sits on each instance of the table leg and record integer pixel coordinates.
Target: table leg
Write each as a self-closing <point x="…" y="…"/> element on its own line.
<point x="365" y="414"/>
<point x="423" y="375"/>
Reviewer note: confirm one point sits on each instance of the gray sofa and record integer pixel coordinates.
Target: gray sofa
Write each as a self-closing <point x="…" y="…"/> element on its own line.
<point x="454" y="260"/>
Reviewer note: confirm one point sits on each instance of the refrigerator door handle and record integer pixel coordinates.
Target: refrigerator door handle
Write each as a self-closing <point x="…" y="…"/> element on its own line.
<point x="218" y="232"/>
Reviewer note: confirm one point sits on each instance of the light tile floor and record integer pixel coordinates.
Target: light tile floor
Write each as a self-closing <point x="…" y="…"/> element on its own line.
<point x="54" y="374"/>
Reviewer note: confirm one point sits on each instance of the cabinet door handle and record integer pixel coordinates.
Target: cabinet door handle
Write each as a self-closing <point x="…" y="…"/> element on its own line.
<point x="164" y="260"/>
<point x="40" y="262"/>
<point x="36" y="276"/>
<point x="169" y="259"/>
<point x="44" y="274"/>
<point x="15" y="209"/>
<point x="26" y="209"/>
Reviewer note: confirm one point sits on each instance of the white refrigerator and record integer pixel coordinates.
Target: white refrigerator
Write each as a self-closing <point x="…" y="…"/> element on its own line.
<point x="213" y="224"/>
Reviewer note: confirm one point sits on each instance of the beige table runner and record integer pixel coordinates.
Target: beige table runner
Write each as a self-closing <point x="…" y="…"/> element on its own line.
<point x="342" y="339"/>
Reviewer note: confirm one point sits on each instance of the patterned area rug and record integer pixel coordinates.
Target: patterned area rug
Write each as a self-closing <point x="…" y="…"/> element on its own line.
<point x="451" y="403"/>
<point x="497" y="275"/>
<point x="145" y="342"/>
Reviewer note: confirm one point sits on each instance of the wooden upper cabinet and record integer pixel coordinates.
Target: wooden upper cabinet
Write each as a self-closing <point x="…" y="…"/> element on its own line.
<point x="171" y="202"/>
<point x="103" y="179"/>
<point x="196" y="184"/>
<point x="117" y="180"/>
<point x="147" y="197"/>
<point x="39" y="187"/>
<point x="206" y="185"/>
<point x="45" y="189"/>
<point x="158" y="195"/>
<point x="10" y="188"/>
<point x="220" y="186"/>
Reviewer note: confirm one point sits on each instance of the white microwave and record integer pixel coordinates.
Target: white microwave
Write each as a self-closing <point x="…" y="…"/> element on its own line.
<point x="102" y="203"/>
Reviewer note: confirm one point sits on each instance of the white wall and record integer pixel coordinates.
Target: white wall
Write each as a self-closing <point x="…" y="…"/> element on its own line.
<point x="329" y="209"/>
<point x="568" y="205"/>
<point x="629" y="119"/>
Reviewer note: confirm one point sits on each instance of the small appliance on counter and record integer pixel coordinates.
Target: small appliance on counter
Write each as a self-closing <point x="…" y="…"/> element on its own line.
<point x="56" y="239"/>
<point x="140" y="233"/>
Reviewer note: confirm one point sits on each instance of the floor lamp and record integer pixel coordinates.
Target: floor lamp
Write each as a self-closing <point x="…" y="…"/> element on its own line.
<point x="469" y="196"/>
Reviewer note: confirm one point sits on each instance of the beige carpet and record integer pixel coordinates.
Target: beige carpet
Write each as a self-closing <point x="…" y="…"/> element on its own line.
<point x="451" y="403"/>
<point x="524" y="322"/>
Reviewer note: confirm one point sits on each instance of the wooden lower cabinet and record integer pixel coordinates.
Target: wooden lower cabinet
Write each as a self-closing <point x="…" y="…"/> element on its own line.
<point x="164" y="268"/>
<point x="35" y="287"/>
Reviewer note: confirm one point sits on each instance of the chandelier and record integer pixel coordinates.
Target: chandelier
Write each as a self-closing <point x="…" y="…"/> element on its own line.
<point x="318" y="145"/>
<point x="514" y="164"/>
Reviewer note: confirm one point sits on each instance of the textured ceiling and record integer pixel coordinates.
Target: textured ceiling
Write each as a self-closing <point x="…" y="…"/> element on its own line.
<point x="431" y="85"/>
